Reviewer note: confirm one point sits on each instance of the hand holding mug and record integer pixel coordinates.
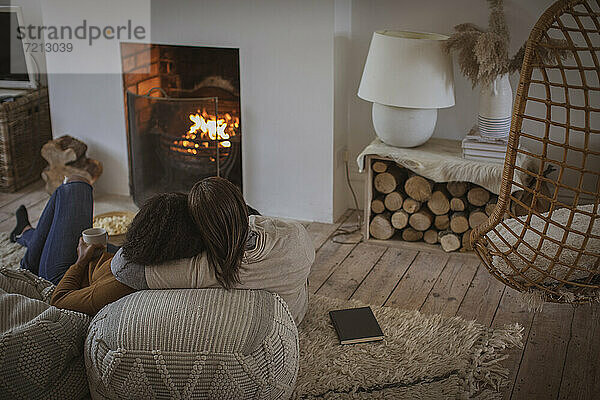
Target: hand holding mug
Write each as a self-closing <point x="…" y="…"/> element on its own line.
<point x="91" y="244"/>
<point x="87" y="252"/>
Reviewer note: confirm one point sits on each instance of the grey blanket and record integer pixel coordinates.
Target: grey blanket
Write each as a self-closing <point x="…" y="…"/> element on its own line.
<point x="41" y="347"/>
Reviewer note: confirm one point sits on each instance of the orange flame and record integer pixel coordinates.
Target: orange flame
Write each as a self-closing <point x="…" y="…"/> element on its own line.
<point x="205" y="127"/>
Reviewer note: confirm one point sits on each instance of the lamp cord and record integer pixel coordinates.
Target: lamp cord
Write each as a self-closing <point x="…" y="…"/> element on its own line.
<point x="343" y="232"/>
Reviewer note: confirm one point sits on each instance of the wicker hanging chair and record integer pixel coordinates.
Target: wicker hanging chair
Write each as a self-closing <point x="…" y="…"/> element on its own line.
<point x="544" y="237"/>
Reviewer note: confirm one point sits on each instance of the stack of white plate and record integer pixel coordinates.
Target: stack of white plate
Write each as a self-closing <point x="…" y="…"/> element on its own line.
<point x="497" y="128"/>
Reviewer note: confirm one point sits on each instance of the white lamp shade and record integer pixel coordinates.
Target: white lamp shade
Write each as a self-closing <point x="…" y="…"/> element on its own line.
<point x="408" y="69"/>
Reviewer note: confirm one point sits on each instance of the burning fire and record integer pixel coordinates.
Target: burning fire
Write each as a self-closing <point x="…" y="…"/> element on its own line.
<point x="205" y="128"/>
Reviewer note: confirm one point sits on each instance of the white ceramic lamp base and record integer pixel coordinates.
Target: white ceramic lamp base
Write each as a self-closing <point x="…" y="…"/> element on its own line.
<point x="403" y="127"/>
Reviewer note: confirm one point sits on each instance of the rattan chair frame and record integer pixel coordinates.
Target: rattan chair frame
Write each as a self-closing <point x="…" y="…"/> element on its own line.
<point x="580" y="289"/>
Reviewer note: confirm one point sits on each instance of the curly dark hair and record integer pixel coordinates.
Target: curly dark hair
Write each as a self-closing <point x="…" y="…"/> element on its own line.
<point x="162" y="230"/>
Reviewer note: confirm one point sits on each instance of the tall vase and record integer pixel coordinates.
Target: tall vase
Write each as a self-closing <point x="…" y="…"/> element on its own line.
<point x="495" y="108"/>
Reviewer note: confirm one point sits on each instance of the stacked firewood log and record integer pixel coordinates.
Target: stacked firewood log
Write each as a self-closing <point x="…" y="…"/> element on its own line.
<point x="416" y="209"/>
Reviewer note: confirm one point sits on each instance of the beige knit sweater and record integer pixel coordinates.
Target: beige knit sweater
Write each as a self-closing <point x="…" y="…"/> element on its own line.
<point x="280" y="263"/>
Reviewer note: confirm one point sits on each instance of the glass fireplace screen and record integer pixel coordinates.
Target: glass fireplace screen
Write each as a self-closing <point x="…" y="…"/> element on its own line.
<point x="174" y="142"/>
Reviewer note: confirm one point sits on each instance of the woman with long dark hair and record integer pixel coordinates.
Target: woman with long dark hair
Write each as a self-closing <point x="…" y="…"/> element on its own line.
<point x="161" y="231"/>
<point x="221" y="216"/>
<point x="241" y="251"/>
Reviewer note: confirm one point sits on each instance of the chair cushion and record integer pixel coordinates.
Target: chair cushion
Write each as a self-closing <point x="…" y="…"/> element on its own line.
<point x="200" y="343"/>
<point x="40" y="345"/>
<point x="569" y="265"/>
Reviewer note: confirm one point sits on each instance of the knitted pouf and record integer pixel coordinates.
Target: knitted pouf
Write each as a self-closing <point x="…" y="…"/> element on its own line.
<point x="198" y="343"/>
<point x="40" y="345"/>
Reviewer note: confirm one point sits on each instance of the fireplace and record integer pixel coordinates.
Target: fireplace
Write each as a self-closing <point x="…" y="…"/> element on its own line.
<point x="183" y="116"/>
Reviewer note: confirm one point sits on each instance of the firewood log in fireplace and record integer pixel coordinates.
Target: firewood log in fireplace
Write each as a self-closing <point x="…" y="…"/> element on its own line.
<point x="67" y="156"/>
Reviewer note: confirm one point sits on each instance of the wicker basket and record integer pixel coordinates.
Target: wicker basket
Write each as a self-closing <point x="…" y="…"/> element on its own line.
<point x="24" y="128"/>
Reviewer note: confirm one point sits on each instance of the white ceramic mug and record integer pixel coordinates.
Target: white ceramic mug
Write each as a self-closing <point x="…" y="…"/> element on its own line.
<point x="95" y="236"/>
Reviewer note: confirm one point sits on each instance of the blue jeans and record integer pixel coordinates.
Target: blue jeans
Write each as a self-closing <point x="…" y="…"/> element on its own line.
<point x="52" y="245"/>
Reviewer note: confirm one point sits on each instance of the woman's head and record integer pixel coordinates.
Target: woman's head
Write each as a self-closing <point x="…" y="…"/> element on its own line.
<point x="162" y="230"/>
<point x="219" y="211"/>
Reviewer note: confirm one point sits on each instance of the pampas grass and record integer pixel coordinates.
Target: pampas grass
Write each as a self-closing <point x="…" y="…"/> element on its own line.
<point x="483" y="54"/>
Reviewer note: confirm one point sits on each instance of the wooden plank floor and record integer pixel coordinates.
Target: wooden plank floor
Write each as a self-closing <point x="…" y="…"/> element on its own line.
<point x="561" y="353"/>
<point x="560" y="358"/>
<point x="34" y="198"/>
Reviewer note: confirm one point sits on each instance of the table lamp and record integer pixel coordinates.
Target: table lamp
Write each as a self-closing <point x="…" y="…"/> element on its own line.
<point x="407" y="77"/>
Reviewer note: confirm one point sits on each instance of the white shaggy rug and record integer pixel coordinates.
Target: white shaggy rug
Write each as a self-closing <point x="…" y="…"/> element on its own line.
<point x="421" y="357"/>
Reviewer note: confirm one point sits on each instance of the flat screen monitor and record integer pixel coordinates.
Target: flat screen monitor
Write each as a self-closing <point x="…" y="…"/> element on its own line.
<point x="15" y="64"/>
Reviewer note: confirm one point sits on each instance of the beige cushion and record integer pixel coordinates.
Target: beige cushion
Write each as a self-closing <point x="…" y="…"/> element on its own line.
<point x="40" y="345"/>
<point x="549" y="244"/>
<point x="193" y="343"/>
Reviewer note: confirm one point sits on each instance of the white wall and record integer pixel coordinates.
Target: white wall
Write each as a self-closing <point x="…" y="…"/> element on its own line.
<point x="286" y="75"/>
<point x="85" y="85"/>
<point x="287" y="70"/>
<point x="301" y="64"/>
<point x="439" y="16"/>
<point x="343" y="31"/>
